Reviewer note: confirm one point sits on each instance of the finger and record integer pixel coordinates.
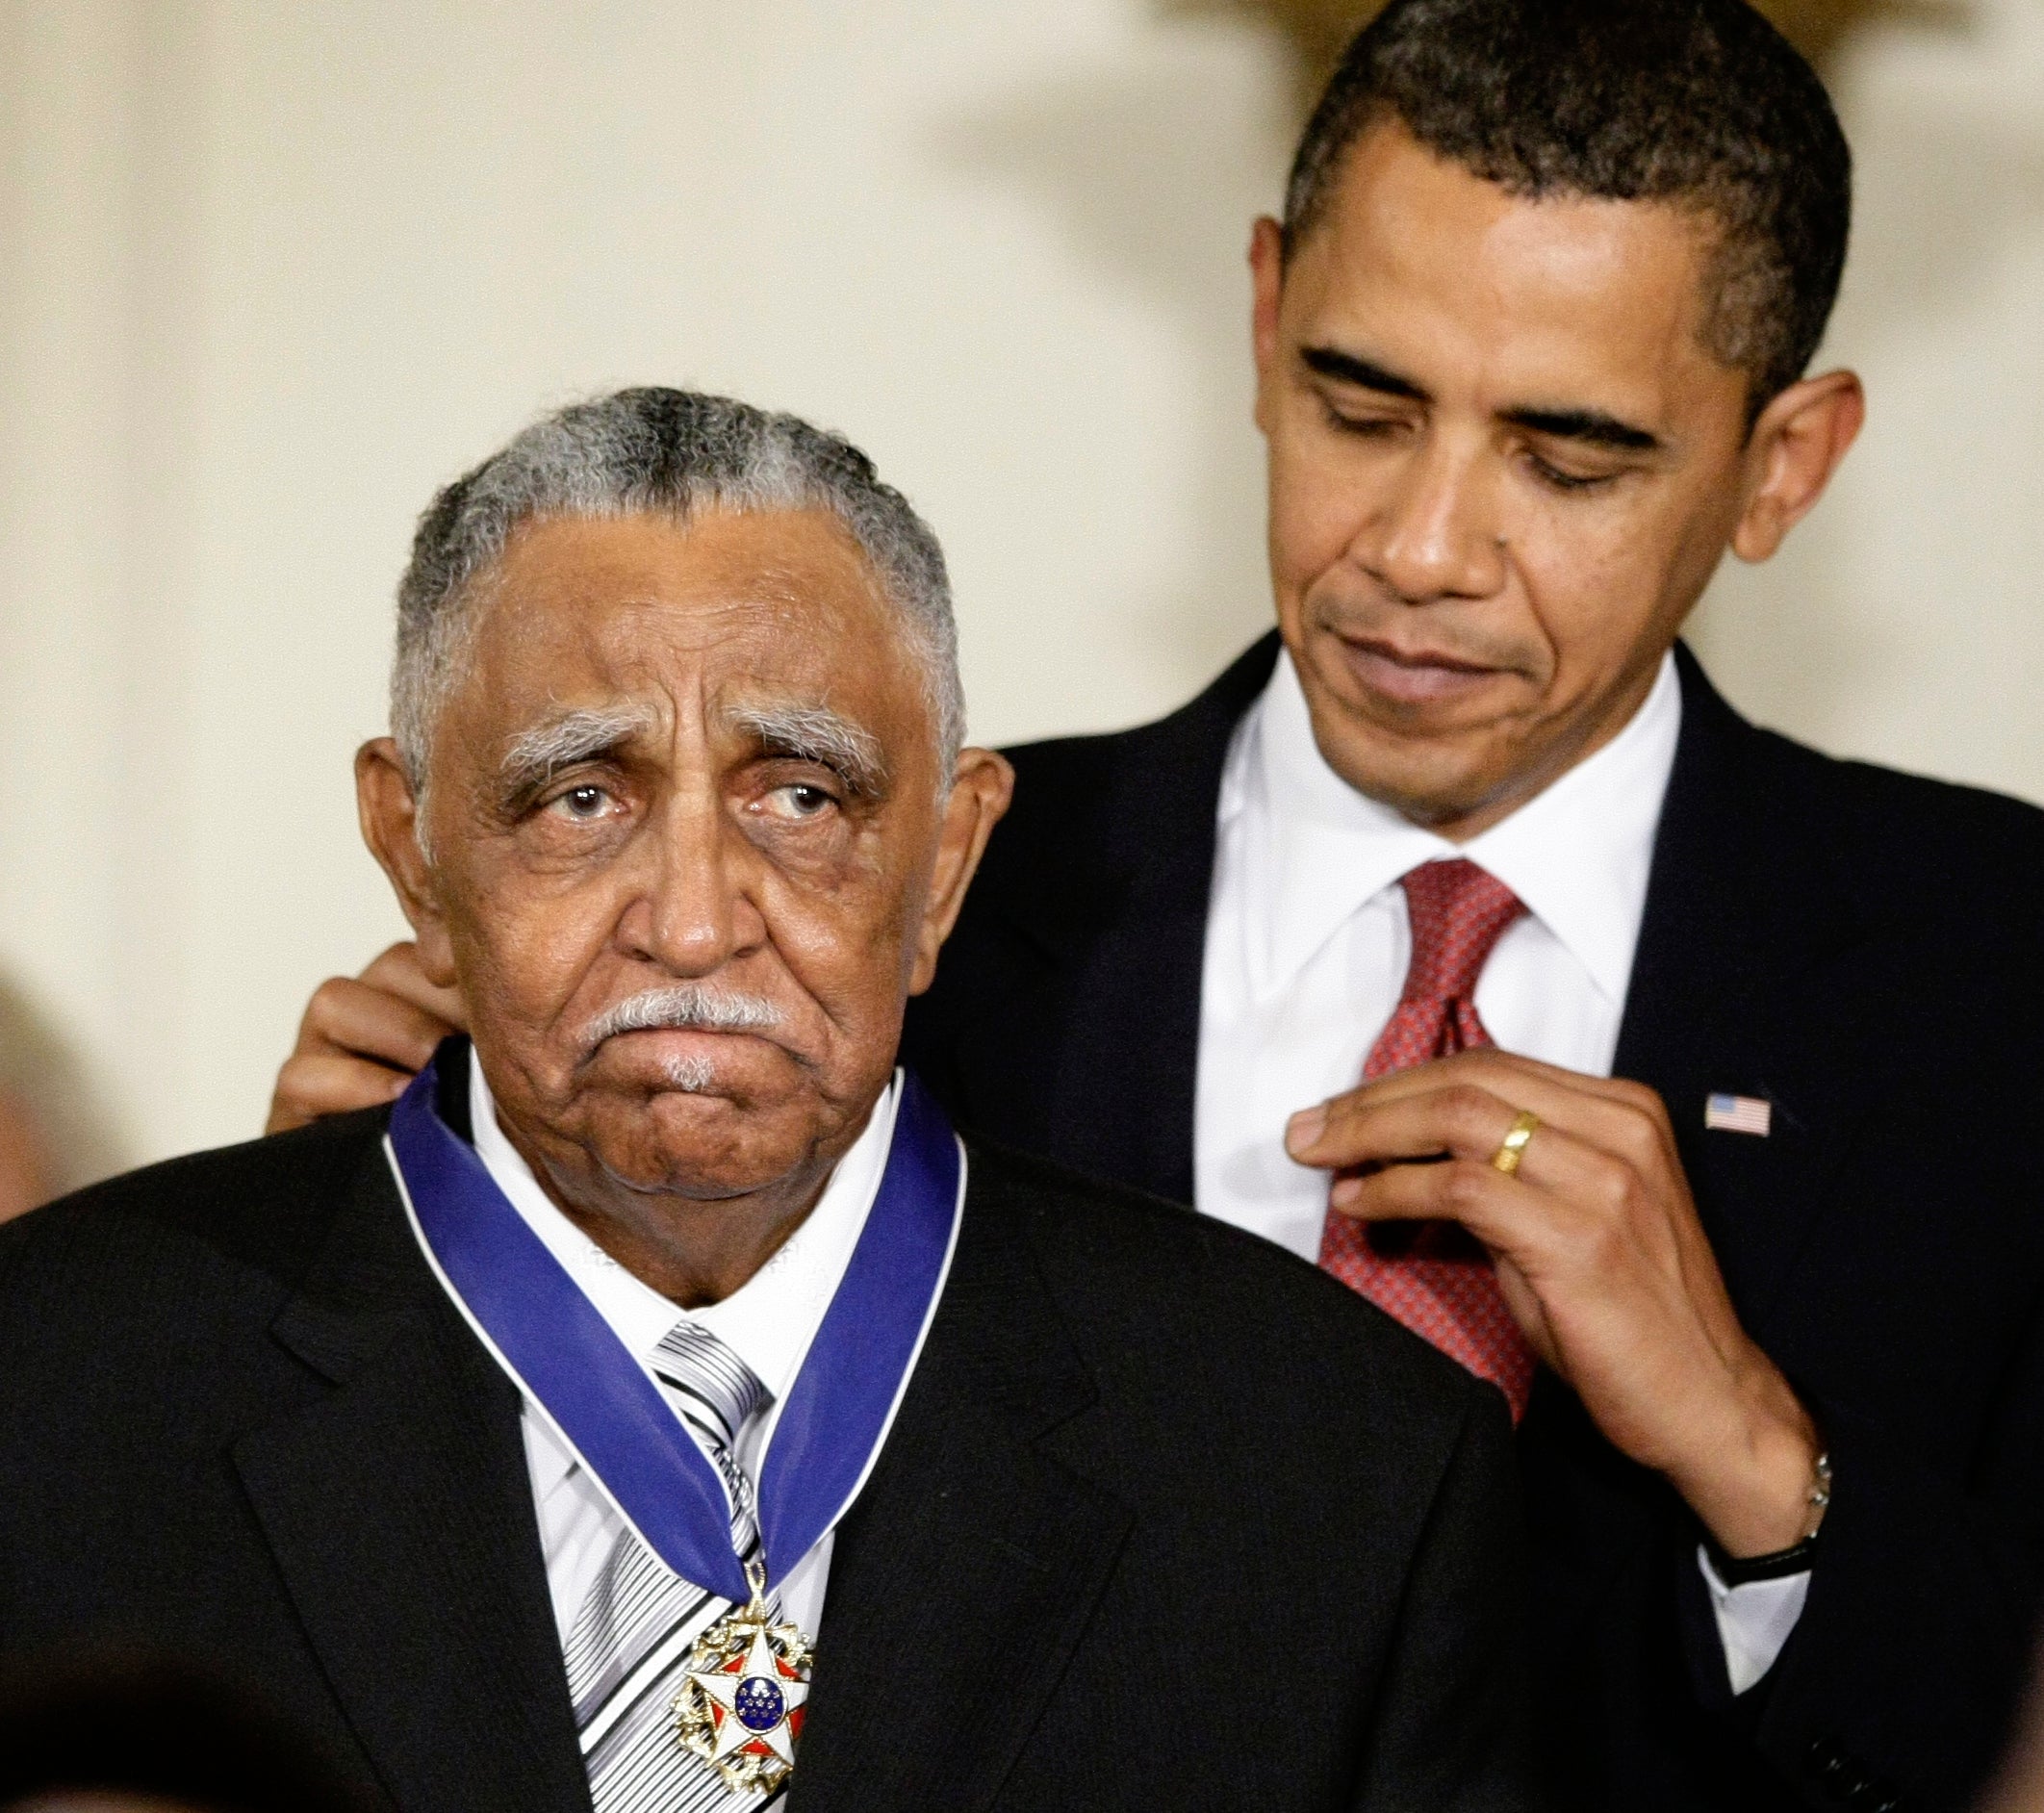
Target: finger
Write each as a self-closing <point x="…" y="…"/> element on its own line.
<point x="1624" y="1120"/>
<point x="1559" y="1178"/>
<point x="1542" y="1218"/>
<point x="1461" y="1119"/>
<point x="399" y="971"/>
<point x="1462" y="1190"/>
<point x="1481" y="1201"/>
<point x="311" y="1087"/>
<point x="1573" y="1214"/>
<point x="1527" y="1309"/>
<point x="348" y="1018"/>
<point x="1505" y="1071"/>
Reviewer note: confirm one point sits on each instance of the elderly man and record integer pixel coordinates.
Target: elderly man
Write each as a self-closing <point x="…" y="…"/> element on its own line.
<point x="658" y="1406"/>
<point x="1756" y="1245"/>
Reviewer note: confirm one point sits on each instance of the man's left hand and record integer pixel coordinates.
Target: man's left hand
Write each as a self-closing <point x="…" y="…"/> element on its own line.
<point x="1602" y="1262"/>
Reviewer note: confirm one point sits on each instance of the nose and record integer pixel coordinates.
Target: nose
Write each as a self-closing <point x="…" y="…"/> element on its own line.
<point x="692" y="914"/>
<point x="1435" y="534"/>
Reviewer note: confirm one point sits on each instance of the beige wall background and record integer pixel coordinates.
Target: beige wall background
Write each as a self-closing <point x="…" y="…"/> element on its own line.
<point x="271" y="272"/>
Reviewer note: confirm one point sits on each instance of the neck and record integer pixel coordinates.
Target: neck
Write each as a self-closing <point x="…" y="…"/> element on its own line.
<point x="694" y="1251"/>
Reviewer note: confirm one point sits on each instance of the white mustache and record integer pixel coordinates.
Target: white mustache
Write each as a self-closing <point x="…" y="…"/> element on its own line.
<point x="683" y="1008"/>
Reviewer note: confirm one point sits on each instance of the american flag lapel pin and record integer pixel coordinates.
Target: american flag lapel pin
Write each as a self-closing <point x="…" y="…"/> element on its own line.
<point x="1739" y="1114"/>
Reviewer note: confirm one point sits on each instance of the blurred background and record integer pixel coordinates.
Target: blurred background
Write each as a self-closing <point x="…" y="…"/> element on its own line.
<point x="272" y="272"/>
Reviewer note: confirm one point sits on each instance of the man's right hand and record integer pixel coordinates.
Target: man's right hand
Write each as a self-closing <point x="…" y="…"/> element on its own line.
<point x="362" y="1041"/>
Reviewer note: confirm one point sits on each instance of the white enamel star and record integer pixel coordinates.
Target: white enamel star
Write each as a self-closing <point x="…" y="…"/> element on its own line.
<point x="733" y="1732"/>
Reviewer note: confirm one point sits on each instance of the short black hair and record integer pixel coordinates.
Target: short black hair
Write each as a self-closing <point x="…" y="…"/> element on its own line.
<point x="1698" y="103"/>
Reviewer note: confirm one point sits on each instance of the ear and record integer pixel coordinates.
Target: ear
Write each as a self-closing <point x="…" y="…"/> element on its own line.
<point x="1800" y="440"/>
<point x="979" y="798"/>
<point x="390" y="827"/>
<point x="1266" y="275"/>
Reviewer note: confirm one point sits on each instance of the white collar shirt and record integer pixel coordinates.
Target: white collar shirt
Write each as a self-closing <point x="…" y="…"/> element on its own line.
<point x="769" y="1322"/>
<point x="1308" y="939"/>
<point x="1307" y="946"/>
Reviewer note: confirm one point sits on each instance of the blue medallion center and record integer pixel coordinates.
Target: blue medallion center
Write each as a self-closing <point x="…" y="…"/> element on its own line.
<point x="760" y="1703"/>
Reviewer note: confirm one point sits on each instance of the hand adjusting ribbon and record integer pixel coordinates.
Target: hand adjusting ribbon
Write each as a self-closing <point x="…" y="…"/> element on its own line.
<point x="561" y="1353"/>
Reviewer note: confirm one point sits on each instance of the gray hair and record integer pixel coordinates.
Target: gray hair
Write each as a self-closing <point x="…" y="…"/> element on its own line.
<point x="655" y="451"/>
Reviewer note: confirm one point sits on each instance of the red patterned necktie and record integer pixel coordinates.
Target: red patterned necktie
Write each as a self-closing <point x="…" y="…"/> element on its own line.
<point x="1443" y="1289"/>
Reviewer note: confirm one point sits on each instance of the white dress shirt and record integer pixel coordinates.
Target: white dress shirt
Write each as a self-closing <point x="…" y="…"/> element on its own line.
<point x="1308" y="944"/>
<point x="769" y="1322"/>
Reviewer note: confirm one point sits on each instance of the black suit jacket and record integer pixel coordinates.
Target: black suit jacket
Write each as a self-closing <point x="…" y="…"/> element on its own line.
<point x="1858" y="947"/>
<point x="1108" y="1557"/>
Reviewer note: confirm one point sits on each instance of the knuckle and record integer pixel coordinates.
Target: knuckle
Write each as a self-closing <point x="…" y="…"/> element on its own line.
<point x="1646" y="1104"/>
<point x="1639" y="1137"/>
<point x="1611" y="1189"/>
<point x="325" y="1012"/>
<point x="393" y="959"/>
<point x="1471" y="1110"/>
<point x="1465" y="1186"/>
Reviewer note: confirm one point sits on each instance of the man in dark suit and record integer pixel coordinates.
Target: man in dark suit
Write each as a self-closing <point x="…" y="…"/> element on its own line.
<point x="1753" y="1224"/>
<point x="657" y="1406"/>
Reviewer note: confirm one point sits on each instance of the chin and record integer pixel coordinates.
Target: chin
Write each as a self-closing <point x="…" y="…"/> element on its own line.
<point x="1435" y="786"/>
<point x="702" y="1147"/>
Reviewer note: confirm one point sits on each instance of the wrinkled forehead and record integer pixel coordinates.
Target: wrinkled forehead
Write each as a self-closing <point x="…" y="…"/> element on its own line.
<point x="709" y="623"/>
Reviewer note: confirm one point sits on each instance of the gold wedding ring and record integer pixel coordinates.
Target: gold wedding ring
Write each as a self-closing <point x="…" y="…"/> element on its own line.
<point x="1507" y="1156"/>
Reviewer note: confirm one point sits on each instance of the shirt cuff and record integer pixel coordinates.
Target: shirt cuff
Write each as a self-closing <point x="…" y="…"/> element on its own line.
<point x="1755" y="1621"/>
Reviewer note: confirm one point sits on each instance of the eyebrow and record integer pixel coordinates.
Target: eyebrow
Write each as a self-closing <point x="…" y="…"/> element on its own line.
<point x="1347" y="368"/>
<point x="536" y="754"/>
<point x="1593" y="427"/>
<point x="815" y="734"/>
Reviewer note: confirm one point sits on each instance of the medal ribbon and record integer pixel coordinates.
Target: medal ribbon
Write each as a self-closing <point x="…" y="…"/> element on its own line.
<point x="548" y="1337"/>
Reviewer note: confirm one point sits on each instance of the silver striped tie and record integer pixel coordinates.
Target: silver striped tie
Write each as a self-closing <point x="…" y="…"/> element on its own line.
<point x="634" y="1631"/>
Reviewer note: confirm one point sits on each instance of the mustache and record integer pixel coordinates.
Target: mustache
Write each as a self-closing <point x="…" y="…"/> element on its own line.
<point x="683" y="1008"/>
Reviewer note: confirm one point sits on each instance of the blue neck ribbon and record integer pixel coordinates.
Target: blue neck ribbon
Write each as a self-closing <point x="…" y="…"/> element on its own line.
<point x="552" y="1341"/>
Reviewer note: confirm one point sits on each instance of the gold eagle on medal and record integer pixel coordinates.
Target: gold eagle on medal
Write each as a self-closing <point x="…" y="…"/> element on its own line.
<point x="744" y="1693"/>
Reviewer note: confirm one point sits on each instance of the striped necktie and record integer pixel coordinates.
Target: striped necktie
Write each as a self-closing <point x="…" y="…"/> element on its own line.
<point x="629" y="1643"/>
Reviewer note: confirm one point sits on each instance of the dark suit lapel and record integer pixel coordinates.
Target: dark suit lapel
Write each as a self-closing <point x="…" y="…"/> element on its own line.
<point x="971" y="1565"/>
<point x="399" y="1514"/>
<point x="1119" y="902"/>
<point x="1739" y="987"/>
<point x="1735" y="989"/>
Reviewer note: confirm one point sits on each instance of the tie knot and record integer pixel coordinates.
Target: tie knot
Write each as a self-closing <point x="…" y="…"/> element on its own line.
<point x="717" y="1388"/>
<point x="1458" y="914"/>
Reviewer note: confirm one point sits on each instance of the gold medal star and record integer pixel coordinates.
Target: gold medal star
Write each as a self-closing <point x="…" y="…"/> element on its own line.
<point x="756" y="1701"/>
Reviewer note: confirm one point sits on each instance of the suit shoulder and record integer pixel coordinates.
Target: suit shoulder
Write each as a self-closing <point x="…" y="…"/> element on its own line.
<point x="1121" y="1260"/>
<point x="1106" y="779"/>
<point x="1068" y="782"/>
<point x="264" y="1204"/>
<point x="1911" y="801"/>
<point x="1950" y="811"/>
<point x="1870" y="817"/>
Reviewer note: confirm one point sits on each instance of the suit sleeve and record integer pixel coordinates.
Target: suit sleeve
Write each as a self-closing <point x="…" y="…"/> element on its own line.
<point x="1451" y="1723"/>
<point x="1922" y="1611"/>
<point x="1895" y="1688"/>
